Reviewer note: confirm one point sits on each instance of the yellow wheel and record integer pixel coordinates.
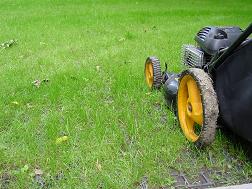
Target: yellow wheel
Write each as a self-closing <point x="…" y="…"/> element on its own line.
<point x="153" y="73"/>
<point x="197" y="106"/>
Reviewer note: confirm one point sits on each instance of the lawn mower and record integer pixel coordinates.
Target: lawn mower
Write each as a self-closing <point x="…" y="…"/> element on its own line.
<point x="216" y="87"/>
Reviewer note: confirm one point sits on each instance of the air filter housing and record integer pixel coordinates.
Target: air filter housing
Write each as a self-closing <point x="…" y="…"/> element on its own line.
<point x="192" y="56"/>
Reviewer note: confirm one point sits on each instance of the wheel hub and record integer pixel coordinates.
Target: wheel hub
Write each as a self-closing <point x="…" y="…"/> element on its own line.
<point x="189" y="107"/>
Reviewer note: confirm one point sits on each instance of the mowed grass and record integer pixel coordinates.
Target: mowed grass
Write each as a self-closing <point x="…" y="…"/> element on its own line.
<point x="93" y="54"/>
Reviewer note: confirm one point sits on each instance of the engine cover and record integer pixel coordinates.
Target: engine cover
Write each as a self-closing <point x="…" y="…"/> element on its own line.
<point x="213" y="39"/>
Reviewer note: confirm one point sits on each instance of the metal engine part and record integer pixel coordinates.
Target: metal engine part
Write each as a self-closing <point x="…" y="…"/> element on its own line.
<point x="192" y="56"/>
<point x="171" y="89"/>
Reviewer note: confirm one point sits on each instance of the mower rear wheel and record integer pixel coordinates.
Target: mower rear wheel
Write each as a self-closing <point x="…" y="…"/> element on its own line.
<point x="153" y="73"/>
<point x="197" y="106"/>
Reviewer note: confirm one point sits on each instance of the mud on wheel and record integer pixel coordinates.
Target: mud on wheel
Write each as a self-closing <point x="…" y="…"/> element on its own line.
<point x="197" y="106"/>
<point x="153" y="73"/>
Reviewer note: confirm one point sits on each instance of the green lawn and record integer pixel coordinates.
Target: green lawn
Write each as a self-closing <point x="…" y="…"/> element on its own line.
<point x="93" y="54"/>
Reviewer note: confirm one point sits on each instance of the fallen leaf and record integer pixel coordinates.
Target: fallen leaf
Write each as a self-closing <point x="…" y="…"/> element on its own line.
<point x="59" y="175"/>
<point x="98" y="68"/>
<point x="29" y="105"/>
<point x="38" y="171"/>
<point x="8" y="44"/>
<point x="121" y="39"/>
<point x="98" y="165"/>
<point x="15" y="103"/>
<point x="37" y="83"/>
<point x="42" y="43"/>
<point x="61" y="139"/>
<point x="38" y="177"/>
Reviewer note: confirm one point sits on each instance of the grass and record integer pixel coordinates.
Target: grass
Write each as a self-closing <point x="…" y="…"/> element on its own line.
<point x="93" y="54"/>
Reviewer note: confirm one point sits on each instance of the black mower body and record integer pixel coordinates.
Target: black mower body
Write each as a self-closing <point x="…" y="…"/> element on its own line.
<point x="225" y="53"/>
<point x="233" y="85"/>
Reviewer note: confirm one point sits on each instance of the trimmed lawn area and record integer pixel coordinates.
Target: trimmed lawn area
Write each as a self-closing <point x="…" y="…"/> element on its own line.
<point x="88" y="59"/>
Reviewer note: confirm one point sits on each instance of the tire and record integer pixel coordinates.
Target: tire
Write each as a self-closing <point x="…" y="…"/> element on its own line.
<point x="197" y="107"/>
<point x="153" y="74"/>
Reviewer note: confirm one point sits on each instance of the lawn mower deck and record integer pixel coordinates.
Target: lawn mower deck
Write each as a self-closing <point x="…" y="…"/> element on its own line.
<point x="216" y="85"/>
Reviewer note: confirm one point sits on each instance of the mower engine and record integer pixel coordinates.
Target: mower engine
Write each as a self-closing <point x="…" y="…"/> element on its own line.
<point x="210" y="43"/>
<point x="217" y="84"/>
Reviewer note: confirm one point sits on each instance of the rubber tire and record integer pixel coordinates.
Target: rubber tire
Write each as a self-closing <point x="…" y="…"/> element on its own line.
<point x="210" y="106"/>
<point x="157" y="74"/>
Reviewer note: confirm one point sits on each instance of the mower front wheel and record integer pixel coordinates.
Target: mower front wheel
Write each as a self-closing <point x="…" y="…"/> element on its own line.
<point x="153" y="74"/>
<point x="197" y="106"/>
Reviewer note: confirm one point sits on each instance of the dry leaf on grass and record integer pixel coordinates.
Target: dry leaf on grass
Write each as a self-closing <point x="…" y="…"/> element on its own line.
<point x="38" y="177"/>
<point x="38" y="171"/>
<point x="61" y="139"/>
<point x="37" y="82"/>
<point x="98" y="165"/>
<point x="15" y="103"/>
<point x="98" y="68"/>
<point x="121" y="39"/>
<point x="8" y="44"/>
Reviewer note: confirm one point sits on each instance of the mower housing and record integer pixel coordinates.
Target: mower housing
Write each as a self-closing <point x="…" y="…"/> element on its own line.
<point x="225" y="54"/>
